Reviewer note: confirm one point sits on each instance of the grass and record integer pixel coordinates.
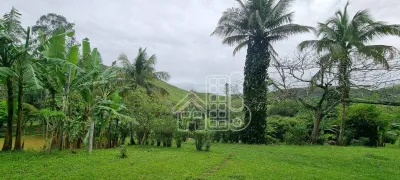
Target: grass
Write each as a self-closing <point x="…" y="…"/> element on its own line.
<point x="224" y="161"/>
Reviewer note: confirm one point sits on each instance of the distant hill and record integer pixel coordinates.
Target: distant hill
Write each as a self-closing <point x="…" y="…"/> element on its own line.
<point x="388" y="94"/>
<point x="176" y="94"/>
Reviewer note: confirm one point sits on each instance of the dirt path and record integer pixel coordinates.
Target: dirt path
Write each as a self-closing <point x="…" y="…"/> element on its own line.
<point x="216" y="167"/>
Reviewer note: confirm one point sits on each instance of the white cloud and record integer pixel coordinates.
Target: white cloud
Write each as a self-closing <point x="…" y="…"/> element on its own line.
<point x="178" y="31"/>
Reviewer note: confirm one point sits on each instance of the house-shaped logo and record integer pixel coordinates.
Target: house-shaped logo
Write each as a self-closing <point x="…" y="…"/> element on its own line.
<point x="191" y="113"/>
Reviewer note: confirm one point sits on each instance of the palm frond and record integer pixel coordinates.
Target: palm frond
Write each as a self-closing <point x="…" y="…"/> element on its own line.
<point x="281" y="7"/>
<point x="379" y="53"/>
<point x="237" y="39"/>
<point x="31" y="77"/>
<point x="5" y="72"/>
<point x="291" y="29"/>
<point x="240" y="46"/>
<point x="123" y="58"/>
<point x="162" y="75"/>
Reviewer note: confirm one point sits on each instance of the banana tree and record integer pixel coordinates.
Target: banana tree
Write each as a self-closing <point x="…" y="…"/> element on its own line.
<point x="111" y="107"/>
<point x="60" y="66"/>
<point x="26" y="75"/>
<point x="11" y="32"/>
<point x="96" y="84"/>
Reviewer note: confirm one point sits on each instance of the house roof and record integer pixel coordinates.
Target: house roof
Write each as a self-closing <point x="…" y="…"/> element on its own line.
<point x="190" y="98"/>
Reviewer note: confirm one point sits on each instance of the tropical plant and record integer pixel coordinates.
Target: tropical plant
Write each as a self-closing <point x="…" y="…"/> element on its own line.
<point x="26" y="75"/>
<point x="257" y="24"/>
<point x="343" y="38"/>
<point x="364" y="121"/>
<point x="52" y="121"/>
<point x="58" y="68"/>
<point x="141" y="72"/>
<point x="11" y="33"/>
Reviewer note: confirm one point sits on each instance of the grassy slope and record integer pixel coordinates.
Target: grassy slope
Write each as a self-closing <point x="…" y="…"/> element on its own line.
<point x="176" y="94"/>
<point x="225" y="161"/>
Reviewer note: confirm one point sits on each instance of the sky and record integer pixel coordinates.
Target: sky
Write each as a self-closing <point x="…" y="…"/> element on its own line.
<point x="178" y="31"/>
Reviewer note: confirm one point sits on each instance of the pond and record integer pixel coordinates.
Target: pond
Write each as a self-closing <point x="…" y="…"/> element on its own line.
<point x="31" y="142"/>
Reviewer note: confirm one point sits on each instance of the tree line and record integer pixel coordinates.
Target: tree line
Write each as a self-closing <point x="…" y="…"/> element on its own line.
<point x="55" y="81"/>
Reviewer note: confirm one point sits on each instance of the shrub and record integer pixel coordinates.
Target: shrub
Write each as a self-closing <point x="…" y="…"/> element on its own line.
<point x="208" y="145"/>
<point x="201" y="138"/>
<point x="362" y="141"/>
<point x="3" y="113"/>
<point x="284" y="108"/>
<point x="218" y="136"/>
<point x="277" y="127"/>
<point x="391" y="137"/>
<point x="226" y="136"/>
<point x="179" y="136"/>
<point x="298" y="134"/>
<point x="123" y="151"/>
<point x="365" y="121"/>
<point x="393" y="134"/>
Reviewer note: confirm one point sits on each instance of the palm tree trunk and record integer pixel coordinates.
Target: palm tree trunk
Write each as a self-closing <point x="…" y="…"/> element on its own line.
<point x="345" y="96"/>
<point x="344" y="83"/>
<point x="18" y="138"/>
<point x="10" y="118"/>
<point x="91" y="131"/>
<point x="255" y="91"/>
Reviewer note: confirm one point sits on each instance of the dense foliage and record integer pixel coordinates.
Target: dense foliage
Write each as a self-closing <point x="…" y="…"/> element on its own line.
<point x="59" y="85"/>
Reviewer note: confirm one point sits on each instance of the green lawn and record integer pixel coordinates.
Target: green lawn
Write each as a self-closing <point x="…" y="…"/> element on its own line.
<point x="224" y="161"/>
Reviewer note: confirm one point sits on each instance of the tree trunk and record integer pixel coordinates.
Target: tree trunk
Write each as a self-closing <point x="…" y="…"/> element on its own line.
<point x="344" y="83"/>
<point x="144" y="138"/>
<point x="65" y="105"/>
<point x="18" y="138"/>
<point x="132" y="140"/>
<point x="315" y="132"/>
<point x="61" y="136"/>
<point x="91" y="131"/>
<point x="342" y="122"/>
<point x="255" y="91"/>
<point x="10" y="115"/>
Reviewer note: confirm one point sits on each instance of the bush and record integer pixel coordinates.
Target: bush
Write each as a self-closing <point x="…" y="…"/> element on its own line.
<point x="393" y="134"/>
<point x="284" y="108"/>
<point x="201" y="138"/>
<point x="364" y="121"/>
<point x="298" y="134"/>
<point x="123" y="151"/>
<point x="362" y="141"/>
<point x="391" y="137"/>
<point x="277" y="127"/>
<point x="3" y="113"/>
<point x="179" y="136"/>
<point x="208" y="145"/>
<point x="226" y="136"/>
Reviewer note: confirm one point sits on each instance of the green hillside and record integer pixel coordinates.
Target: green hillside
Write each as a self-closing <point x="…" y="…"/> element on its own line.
<point x="176" y="94"/>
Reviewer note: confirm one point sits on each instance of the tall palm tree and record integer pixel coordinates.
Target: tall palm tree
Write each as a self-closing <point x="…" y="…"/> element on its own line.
<point x="257" y="24"/>
<point x="342" y="38"/>
<point x="141" y="72"/>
